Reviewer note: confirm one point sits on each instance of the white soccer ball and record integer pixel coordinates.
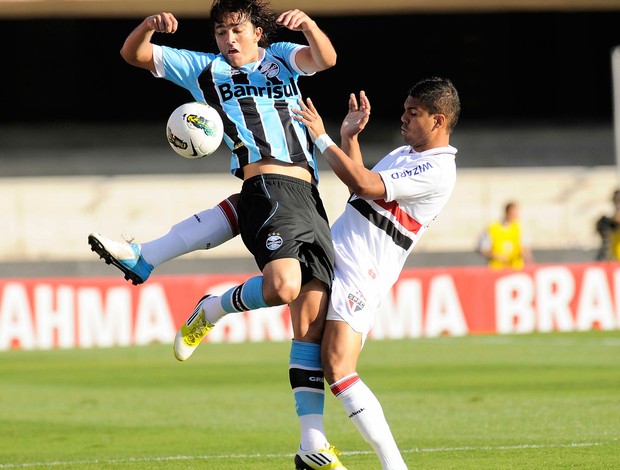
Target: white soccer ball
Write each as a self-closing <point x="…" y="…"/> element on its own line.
<point x="195" y="130"/>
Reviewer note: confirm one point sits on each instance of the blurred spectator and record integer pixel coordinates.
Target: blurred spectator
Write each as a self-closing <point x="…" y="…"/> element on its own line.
<point x="503" y="243"/>
<point x="609" y="230"/>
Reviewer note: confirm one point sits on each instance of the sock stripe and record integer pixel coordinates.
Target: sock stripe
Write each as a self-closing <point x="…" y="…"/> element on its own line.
<point x="235" y="299"/>
<point x="306" y="378"/>
<point x="344" y="384"/>
<point x="231" y="215"/>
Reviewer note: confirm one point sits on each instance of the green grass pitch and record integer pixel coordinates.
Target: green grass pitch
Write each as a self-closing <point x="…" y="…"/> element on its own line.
<point x="542" y="401"/>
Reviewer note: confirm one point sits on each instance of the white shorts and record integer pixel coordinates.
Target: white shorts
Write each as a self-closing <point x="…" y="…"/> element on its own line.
<point x="354" y="298"/>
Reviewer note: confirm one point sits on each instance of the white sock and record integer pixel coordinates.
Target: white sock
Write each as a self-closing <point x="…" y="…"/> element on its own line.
<point x="312" y="433"/>
<point x="365" y="411"/>
<point x="202" y="231"/>
<point x="213" y="309"/>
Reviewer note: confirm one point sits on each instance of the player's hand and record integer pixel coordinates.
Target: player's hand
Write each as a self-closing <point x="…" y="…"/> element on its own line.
<point x="357" y="118"/>
<point x="162" y="23"/>
<point x="296" y="20"/>
<point x="308" y="114"/>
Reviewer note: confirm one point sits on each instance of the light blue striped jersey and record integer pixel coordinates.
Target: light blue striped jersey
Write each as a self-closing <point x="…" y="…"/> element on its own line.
<point x="254" y="101"/>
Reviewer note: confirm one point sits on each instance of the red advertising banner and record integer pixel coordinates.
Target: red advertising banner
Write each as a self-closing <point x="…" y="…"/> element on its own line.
<point x="45" y="313"/>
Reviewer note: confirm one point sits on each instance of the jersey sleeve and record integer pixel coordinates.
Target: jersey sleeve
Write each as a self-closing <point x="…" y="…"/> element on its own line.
<point x="412" y="180"/>
<point x="287" y="52"/>
<point x="180" y="66"/>
<point x="158" y="60"/>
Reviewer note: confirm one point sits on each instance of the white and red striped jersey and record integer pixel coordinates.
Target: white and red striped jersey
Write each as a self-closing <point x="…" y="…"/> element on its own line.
<point x="374" y="237"/>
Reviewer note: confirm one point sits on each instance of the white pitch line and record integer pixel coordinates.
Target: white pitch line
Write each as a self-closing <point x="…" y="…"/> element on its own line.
<point x="263" y="456"/>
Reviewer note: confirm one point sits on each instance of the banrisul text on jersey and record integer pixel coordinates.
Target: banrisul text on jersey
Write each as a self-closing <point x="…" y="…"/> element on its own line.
<point x="228" y="91"/>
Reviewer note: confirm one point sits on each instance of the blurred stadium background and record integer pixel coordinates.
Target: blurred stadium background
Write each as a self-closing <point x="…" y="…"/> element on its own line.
<point x="82" y="141"/>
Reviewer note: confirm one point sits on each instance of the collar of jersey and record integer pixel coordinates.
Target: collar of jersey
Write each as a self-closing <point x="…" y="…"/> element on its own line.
<point x="254" y="65"/>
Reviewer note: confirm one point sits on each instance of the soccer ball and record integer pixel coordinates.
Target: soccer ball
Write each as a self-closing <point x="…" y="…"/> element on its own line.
<point x="195" y="130"/>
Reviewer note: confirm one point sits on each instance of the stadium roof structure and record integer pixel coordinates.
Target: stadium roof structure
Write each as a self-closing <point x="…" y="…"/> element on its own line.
<point x="200" y="8"/>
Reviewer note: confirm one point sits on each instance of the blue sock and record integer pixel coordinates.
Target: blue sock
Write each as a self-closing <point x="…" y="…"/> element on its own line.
<point x="244" y="297"/>
<point x="306" y="378"/>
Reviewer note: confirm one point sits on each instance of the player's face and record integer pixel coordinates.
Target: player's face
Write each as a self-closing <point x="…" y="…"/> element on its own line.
<point x="512" y="213"/>
<point x="418" y="125"/>
<point x="237" y="40"/>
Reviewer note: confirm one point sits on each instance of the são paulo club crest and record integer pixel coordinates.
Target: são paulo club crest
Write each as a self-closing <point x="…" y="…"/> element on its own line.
<point x="356" y="301"/>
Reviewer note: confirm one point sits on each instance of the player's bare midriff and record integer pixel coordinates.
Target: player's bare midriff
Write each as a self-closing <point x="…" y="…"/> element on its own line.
<point x="296" y="170"/>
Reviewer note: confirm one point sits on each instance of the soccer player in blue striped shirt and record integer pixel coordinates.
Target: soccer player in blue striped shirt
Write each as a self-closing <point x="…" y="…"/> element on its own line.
<point x="254" y="86"/>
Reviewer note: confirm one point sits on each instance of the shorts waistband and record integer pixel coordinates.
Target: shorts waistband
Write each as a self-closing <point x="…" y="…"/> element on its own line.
<point x="276" y="177"/>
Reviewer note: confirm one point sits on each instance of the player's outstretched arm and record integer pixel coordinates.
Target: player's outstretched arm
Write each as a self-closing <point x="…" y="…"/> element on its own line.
<point x="320" y="53"/>
<point x="137" y="49"/>
<point x="354" y="123"/>
<point x="360" y="180"/>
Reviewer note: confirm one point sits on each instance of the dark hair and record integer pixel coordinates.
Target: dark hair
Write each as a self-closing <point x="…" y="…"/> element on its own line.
<point x="509" y="206"/>
<point x="439" y="96"/>
<point x="256" y="12"/>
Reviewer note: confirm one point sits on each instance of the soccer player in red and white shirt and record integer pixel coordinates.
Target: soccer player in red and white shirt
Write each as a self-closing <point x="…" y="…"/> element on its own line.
<point x="390" y="207"/>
